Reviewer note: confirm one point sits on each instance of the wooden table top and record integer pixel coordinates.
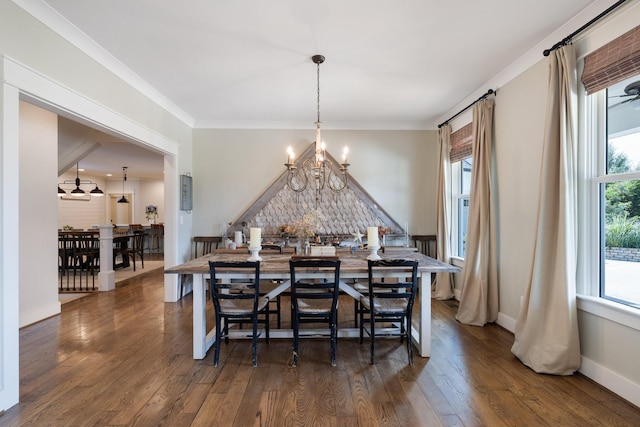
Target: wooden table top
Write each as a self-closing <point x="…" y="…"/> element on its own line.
<point x="279" y="263"/>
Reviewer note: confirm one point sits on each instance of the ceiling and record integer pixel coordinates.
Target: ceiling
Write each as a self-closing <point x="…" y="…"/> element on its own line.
<point x="247" y="64"/>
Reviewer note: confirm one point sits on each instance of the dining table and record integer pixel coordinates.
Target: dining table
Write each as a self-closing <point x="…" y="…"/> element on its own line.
<point x="275" y="266"/>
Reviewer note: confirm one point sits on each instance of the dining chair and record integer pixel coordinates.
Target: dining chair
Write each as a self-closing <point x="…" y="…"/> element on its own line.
<point x="315" y="300"/>
<point x="203" y="245"/>
<point x="389" y="302"/>
<point x="237" y="302"/>
<point x="134" y="248"/>
<point x="426" y="244"/>
<point x="157" y="238"/>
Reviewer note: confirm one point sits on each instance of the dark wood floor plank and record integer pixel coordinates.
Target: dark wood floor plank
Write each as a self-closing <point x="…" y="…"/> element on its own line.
<point x="124" y="358"/>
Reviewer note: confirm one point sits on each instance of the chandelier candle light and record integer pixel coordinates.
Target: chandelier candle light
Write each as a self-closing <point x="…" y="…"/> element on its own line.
<point x="319" y="167"/>
<point x="373" y="243"/>
<point x="255" y="241"/>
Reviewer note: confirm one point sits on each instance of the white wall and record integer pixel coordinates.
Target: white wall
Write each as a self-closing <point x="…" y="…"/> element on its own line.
<point x="151" y="193"/>
<point x="38" y="243"/>
<point x="519" y="124"/>
<point x="232" y="168"/>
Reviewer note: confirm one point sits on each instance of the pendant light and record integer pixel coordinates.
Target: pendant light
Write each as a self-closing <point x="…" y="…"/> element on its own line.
<point x="79" y="192"/>
<point x="124" y="178"/>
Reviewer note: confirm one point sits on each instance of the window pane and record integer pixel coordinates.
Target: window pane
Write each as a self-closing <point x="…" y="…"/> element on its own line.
<point x="622" y="243"/>
<point x="463" y="215"/>
<point x="623" y="120"/>
<point x="465" y="181"/>
<point x="621" y="199"/>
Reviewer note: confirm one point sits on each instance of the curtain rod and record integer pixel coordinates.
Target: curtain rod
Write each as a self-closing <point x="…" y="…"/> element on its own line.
<point x="489" y="92"/>
<point x="567" y="39"/>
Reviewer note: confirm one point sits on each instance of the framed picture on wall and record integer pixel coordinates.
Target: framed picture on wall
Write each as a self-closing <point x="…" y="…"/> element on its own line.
<point x="186" y="193"/>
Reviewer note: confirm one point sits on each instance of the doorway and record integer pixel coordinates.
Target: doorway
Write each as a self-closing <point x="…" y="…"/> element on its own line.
<point x="121" y="213"/>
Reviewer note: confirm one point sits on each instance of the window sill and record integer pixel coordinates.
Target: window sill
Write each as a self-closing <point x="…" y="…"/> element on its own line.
<point x="457" y="261"/>
<point x="610" y="310"/>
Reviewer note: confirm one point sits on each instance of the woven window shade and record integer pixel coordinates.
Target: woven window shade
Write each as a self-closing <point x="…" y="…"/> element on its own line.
<point x="613" y="62"/>
<point x="461" y="144"/>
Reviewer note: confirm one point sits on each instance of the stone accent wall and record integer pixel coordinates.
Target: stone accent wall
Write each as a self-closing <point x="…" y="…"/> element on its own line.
<point x="623" y="254"/>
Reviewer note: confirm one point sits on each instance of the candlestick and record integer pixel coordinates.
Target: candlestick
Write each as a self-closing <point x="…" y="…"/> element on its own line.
<point x="372" y="237"/>
<point x="373" y="256"/>
<point x="254" y="237"/>
<point x="254" y="254"/>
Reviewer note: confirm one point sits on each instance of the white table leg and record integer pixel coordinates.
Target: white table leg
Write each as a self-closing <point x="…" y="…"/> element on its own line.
<point x="421" y="332"/>
<point x="199" y="317"/>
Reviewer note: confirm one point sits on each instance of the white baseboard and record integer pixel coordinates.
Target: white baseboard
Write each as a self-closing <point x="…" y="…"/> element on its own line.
<point x="607" y="378"/>
<point x="506" y="322"/>
<point x="39" y="313"/>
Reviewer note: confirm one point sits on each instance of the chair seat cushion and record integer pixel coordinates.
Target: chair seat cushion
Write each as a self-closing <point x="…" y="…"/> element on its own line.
<point x="385" y="305"/>
<point x="241" y="306"/>
<point x="310" y="306"/>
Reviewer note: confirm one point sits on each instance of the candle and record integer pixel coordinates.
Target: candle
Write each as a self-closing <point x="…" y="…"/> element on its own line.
<point x="372" y="237"/>
<point x="290" y="155"/>
<point x="254" y="237"/>
<point x="238" y="238"/>
<point x="344" y="155"/>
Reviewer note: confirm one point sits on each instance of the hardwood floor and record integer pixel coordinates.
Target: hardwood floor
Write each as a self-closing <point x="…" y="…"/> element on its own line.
<point x="124" y="358"/>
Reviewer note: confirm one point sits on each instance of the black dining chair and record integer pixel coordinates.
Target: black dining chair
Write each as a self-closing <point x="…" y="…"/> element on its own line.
<point x="135" y="250"/>
<point x="389" y="302"/>
<point x="237" y="302"/>
<point x="315" y="300"/>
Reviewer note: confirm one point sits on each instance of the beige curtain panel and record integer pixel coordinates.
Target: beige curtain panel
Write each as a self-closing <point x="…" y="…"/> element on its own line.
<point x="479" y="297"/>
<point x="546" y="334"/>
<point x="442" y="289"/>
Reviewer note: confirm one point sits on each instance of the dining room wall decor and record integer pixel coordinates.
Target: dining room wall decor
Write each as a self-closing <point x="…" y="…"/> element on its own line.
<point x="344" y="214"/>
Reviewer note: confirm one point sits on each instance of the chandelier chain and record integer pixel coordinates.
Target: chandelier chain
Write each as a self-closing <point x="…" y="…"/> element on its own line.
<point x="318" y="91"/>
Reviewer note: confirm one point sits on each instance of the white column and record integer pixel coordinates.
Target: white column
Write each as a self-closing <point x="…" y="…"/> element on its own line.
<point x="106" y="277"/>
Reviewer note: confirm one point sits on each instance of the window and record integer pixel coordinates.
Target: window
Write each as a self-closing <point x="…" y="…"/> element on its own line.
<point x="461" y="184"/>
<point x="619" y="195"/>
<point x="461" y="165"/>
<point x="609" y="191"/>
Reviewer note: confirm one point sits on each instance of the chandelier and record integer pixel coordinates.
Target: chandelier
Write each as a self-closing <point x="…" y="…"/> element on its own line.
<point x="79" y="192"/>
<point x="318" y="168"/>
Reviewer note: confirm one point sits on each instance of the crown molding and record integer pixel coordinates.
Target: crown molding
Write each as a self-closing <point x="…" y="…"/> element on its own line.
<point x="57" y="23"/>
<point x="333" y="125"/>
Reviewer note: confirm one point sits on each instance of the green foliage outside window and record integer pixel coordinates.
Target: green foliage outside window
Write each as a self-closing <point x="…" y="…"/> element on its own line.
<point x="622" y="208"/>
